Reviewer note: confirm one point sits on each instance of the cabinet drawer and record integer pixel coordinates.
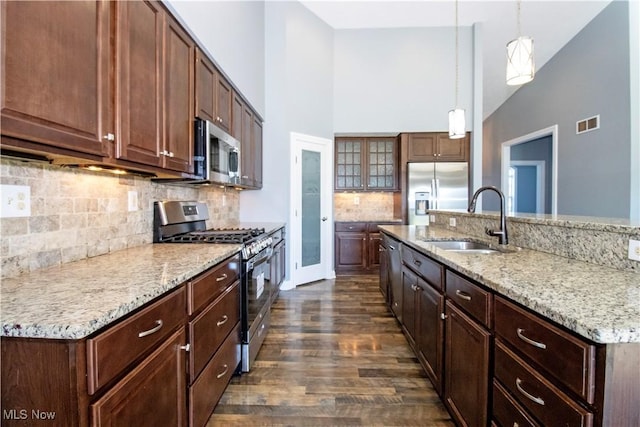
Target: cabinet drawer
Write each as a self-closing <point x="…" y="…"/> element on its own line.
<point x="506" y="411"/>
<point x="152" y="393"/>
<point x="207" y="390"/>
<point x="430" y="270"/>
<point x="471" y="297"/>
<point x="535" y="393"/>
<point x="208" y="286"/>
<point x="567" y="358"/>
<point x="351" y="226"/>
<point x="109" y="353"/>
<point x="211" y="327"/>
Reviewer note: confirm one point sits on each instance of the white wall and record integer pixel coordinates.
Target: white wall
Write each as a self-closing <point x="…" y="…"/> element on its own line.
<point x="299" y="91"/>
<point x="401" y="79"/>
<point x="233" y="34"/>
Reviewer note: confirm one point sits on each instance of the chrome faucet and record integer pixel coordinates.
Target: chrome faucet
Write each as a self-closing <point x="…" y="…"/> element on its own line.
<point x="503" y="239"/>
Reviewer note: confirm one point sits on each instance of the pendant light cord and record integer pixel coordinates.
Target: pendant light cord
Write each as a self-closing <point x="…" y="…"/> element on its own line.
<point x="519" y="28"/>
<point x="457" y="72"/>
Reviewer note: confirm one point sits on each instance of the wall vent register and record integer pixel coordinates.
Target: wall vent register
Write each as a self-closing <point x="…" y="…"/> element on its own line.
<point x="586" y="125"/>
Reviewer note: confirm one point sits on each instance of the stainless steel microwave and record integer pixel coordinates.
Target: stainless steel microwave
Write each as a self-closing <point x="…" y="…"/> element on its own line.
<point x="216" y="154"/>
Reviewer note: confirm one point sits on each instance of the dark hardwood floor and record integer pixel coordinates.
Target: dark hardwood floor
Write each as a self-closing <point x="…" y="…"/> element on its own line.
<point x="334" y="356"/>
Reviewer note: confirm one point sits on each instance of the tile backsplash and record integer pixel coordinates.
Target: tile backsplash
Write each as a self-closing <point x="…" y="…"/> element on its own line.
<point x="363" y="206"/>
<point x="78" y="214"/>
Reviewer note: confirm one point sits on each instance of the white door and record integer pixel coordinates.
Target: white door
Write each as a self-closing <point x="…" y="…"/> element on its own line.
<point x="312" y="208"/>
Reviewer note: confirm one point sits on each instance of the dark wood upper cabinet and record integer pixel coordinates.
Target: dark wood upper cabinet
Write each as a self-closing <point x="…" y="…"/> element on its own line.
<point x="155" y="87"/>
<point x="257" y="148"/>
<point x="437" y="147"/>
<point x="55" y="74"/>
<point x="139" y="28"/>
<point x="179" y="95"/>
<point x="213" y="93"/>
<point x="366" y="163"/>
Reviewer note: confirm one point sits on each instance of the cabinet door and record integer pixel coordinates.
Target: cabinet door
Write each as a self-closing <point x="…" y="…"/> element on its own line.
<point x="381" y="171"/>
<point x="349" y="164"/>
<point x="466" y="388"/>
<point x="178" y="101"/>
<point x="256" y="135"/>
<point x="55" y="74"/>
<point x="139" y="28"/>
<point x="153" y="393"/>
<point x="452" y="150"/>
<point x="395" y="277"/>
<point x="351" y="251"/>
<point x="237" y="111"/>
<point x="422" y="147"/>
<point x="223" y="103"/>
<point x="409" y="308"/>
<point x="430" y="332"/>
<point x="374" y="250"/>
<point x="205" y="83"/>
<point x="384" y="270"/>
<point x="246" y="152"/>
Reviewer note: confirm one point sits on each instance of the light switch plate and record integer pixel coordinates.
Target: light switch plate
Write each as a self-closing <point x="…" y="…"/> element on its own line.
<point x="452" y="222"/>
<point x="634" y="249"/>
<point x="16" y="201"/>
<point x="432" y="218"/>
<point x="356" y="200"/>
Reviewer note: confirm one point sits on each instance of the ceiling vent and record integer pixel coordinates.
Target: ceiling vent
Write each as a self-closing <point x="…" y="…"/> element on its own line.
<point x="586" y="125"/>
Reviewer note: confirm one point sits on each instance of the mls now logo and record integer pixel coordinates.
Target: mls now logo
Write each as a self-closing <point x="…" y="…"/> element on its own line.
<point x="23" y="414"/>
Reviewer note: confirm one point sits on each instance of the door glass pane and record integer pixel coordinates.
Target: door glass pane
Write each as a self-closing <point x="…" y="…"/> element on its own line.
<point x="311" y="243"/>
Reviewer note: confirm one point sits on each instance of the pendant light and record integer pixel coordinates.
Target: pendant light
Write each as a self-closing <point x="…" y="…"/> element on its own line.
<point x="456" y="116"/>
<point x="520" y="66"/>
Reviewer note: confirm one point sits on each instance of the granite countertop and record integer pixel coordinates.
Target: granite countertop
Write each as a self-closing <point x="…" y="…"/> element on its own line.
<point x="599" y="303"/>
<point x="76" y="299"/>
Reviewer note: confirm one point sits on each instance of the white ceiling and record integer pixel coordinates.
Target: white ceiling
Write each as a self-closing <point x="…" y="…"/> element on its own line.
<point x="551" y="24"/>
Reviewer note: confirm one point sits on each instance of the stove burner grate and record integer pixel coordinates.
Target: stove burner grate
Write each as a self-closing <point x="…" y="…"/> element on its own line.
<point x="218" y="235"/>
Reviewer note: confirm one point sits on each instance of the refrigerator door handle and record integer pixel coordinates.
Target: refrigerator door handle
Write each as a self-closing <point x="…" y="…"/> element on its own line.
<point x="438" y="193"/>
<point x="434" y="196"/>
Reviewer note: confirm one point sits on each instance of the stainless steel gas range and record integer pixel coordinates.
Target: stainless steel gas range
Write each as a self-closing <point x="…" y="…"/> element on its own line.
<point x="185" y="222"/>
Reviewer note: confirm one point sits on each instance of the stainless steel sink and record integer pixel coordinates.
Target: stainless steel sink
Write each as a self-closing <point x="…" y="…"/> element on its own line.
<point x="464" y="247"/>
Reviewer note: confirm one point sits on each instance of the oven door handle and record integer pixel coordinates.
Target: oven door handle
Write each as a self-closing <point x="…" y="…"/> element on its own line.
<point x="257" y="260"/>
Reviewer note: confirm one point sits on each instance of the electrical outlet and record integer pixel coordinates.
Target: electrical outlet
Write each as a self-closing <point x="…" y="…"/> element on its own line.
<point x="16" y="201"/>
<point x="356" y="200"/>
<point x="432" y="218"/>
<point x="452" y="222"/>
<point x="634" y="249"/>
<point x="132" y="200"/>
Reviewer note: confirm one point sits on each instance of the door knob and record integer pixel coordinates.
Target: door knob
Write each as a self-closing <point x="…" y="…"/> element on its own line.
<point x="324" y="218"/>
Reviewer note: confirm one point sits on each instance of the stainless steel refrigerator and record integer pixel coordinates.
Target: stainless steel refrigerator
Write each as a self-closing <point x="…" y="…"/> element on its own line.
<point x="436" y="186"/>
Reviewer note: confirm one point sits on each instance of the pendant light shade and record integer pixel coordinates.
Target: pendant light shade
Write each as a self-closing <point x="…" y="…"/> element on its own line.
<point x="520" y="65"/>
<point x="456" y="124"/>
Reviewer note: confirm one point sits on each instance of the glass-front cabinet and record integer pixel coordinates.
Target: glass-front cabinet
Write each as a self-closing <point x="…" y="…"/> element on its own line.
<point x="366" y="163"/>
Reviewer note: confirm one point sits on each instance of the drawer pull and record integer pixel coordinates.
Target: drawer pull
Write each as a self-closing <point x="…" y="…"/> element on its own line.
<point x="527" y="395"/>
<point x="224" y="320"/>
<point x="463" y="295"/>
<point x="417" y="262"/>
<point x="186" y="347"/>
<point x="529" y="340"/>
<point x="152" y="330"/>
<point x="223" y="373"/>
<point x="393" y="248"/>
<point x="221" y="278"/>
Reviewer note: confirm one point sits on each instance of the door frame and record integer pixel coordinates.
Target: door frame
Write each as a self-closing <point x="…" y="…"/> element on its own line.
<point x="326" y="146"/>
<point x="505" y="160"/>
<point x="540" y="181"/>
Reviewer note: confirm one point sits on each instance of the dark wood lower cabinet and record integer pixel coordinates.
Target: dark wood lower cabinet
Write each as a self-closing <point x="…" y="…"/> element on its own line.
<point x="357" y="247"/>
<point x="430" y="333"/>
<point x="151" y="394"/>
<point x="467" y="347"/>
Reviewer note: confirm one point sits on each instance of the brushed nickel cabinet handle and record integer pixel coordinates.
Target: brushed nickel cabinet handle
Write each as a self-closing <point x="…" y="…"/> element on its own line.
<point x="463" y="295"/>
<point x="520" y="333"/>
<point x="223" y="373"/>
<point x="186" y="347"/>
<point x="221" y="278"/>
<point x="417" y="262"/>
<point x="152" y="330"/>
<point x="393" y="248"/>
<point x="110" y="137"/>
<point x="531" y="397"/>
<point x="224" y="320"/>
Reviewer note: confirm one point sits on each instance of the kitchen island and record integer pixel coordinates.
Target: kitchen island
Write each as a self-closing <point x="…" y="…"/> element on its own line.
<point x="517" y="335"/>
